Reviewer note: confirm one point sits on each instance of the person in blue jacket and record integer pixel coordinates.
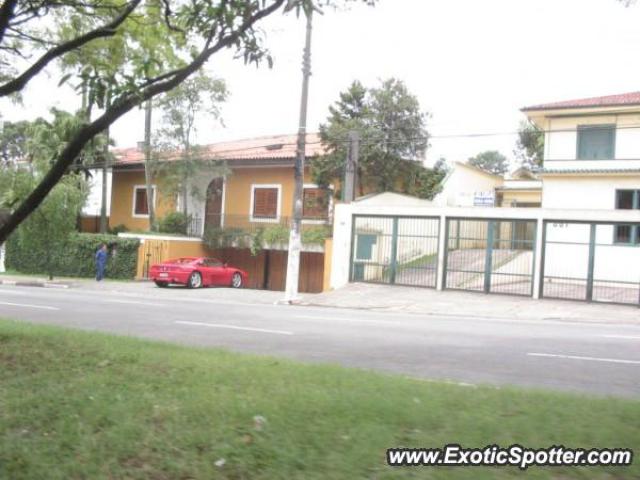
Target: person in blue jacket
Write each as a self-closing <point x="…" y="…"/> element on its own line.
<point x="101" y="261"/>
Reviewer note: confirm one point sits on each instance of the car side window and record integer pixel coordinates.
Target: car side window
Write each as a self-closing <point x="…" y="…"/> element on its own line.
<point x="212" y="262"/>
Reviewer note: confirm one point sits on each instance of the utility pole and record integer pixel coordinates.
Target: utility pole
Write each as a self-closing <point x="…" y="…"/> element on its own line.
<point x="351" y="168"/>
<point x="147" y="164"/>
<point x="295" y="237"/>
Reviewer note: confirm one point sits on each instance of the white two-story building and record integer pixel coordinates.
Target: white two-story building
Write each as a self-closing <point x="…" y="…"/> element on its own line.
<point x="592" y="152"/>
<point x="592" y="162"/>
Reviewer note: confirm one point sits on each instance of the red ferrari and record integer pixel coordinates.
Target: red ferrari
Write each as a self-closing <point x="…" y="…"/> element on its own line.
<point x="196" y="272"/>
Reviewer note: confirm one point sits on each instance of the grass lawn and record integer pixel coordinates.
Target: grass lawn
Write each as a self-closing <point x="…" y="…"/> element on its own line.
<point x="80" y="405"/>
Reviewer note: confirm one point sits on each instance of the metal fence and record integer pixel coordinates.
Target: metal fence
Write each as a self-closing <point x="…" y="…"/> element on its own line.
<point x="490" y="256"/>
<point x="395" y="250"/>
<point x="590" y="261"/>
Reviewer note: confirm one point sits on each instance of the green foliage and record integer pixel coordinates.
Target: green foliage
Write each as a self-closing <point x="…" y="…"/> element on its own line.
<point x="530" y="145"/>
<point x="491" y="161"/>
<point x="174" y="222"/>
<point x="393" y="139"/>
<point x="120" y="228"/>
<point x="218" y="237"/>
<point x="316" y="235"/>
<point x="75" y="257"/>
<point x="181" y="108"/>
<point x="276" y="234"/>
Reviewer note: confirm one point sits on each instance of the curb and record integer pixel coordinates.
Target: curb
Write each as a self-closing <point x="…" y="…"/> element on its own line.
<point x="18" y="283"/>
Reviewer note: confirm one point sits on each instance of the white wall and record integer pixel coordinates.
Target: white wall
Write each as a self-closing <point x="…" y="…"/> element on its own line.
<point x="585" y="192"/>
<point x="612" y="262"/>
<point x="561" y="142"/>
<point x="461" y="185"/>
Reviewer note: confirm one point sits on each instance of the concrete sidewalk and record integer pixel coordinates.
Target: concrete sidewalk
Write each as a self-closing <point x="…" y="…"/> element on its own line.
<point x="422" y="301"/>
<point x="468" y="304"/>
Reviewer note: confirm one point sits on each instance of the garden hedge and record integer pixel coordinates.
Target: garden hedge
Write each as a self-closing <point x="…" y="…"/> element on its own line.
<point x="77" y="257"/>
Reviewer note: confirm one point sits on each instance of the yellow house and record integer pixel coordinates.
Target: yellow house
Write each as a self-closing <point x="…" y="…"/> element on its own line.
<point x="257" y="191"/>
<point x="255" y="195"/>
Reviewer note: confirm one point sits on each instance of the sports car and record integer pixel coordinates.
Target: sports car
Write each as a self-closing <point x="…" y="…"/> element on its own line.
<point x="196" y="272"/>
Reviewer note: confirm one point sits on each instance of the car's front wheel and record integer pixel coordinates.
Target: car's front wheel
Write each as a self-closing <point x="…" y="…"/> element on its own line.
<point x="162" y="284"/>
<point x="195" y="280"/>
<point x="236" y="280"/>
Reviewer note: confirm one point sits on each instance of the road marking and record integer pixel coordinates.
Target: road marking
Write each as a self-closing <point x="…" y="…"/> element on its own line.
<point x="133" y="302"/>
<point x="352" y="320"/>
<point x="235" y="327"/>
<point x="43" y="307"/>
<point x="591" y="359"/>
<point x="623" y="337"/>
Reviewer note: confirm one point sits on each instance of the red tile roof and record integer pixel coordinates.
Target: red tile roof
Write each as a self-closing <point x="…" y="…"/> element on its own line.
<point x="273" y="147"/>
<point x="623" y="99"/>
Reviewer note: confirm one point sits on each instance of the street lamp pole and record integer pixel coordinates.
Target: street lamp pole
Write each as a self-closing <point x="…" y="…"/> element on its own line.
<point x="295" y="237"/>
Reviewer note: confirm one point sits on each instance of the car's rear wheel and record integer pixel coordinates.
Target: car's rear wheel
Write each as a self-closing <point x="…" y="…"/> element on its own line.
<point x="236" y="280"/>
<point x="195" y="280"/>
<point x="162" y="284"/>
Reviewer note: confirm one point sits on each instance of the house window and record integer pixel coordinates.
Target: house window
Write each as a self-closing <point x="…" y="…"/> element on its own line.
<point x="140" y="203"/>
<point x="265" y="202"/>
<point x="315" y="203"/>
<point x="627" y="234"/>
<point x="596" y="142"/>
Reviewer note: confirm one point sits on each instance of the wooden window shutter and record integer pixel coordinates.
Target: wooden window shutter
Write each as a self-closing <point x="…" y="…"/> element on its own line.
<point x="315" y="203"/>
<point x="265" y="202"/>
<point x="141" y="207"/>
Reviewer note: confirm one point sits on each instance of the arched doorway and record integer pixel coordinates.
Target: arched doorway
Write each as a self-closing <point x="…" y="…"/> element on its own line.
<point x="213" y="204"/>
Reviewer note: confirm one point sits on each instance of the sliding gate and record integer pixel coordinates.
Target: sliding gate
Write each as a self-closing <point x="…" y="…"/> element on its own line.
<point x="395" y="250"/>
<point x="490" y="256"/>
<point x="591" y="261"/>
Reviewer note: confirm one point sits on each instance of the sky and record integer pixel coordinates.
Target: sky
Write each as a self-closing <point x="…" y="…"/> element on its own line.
<point x="472" y="65"/>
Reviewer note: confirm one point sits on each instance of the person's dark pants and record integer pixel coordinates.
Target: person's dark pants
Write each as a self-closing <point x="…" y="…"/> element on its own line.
<point x="99" y="272"/>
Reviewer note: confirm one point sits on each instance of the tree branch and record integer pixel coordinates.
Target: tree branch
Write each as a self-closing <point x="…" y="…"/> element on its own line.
<point x="107" y="30"/>
<point x="6" y="13"/>
<point x="119" y="108"/>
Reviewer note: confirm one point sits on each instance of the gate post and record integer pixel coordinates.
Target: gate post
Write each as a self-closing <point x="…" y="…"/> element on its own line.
<point x="443" y="235"/>
<point x="538" y="264"/>
<point x="592" y="258"/>
<point x="394" y="251"/>
<point x="489" y="256"/>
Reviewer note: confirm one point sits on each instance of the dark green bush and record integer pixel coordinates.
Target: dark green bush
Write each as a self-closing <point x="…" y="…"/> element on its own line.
<point x="77" y="257"/>
<point x="174" y="222"/>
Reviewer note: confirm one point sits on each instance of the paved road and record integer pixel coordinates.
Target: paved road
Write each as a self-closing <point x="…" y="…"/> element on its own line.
<point x="602" y="358"/>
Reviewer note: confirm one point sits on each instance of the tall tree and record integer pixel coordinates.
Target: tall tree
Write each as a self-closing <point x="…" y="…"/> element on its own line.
<point x="34" y="144"/>
<point x="530" y="145"/>
<point x="491" y="161"/>
<point x="197" y="30"/>
<point x="394" y="140"/>
<point x="199" y="95"/>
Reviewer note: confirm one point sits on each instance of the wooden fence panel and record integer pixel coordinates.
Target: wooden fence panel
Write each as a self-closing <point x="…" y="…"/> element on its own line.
<point x="268" y="269"/>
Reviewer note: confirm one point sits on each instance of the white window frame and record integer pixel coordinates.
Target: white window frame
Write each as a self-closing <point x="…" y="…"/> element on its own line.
<point x="278" y="186"/>
<point x="133" y="202"/>
<point x="329" y="207"/>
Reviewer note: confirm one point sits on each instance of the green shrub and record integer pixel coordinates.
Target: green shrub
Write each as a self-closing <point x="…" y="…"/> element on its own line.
<point x="174" y="222"/>
<point x="276" y="234"/>
<point x="316" y="235"/>
<point x="120" y="228"/>
<point x="77" y="256"/>
<point x="218" y="237"/>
